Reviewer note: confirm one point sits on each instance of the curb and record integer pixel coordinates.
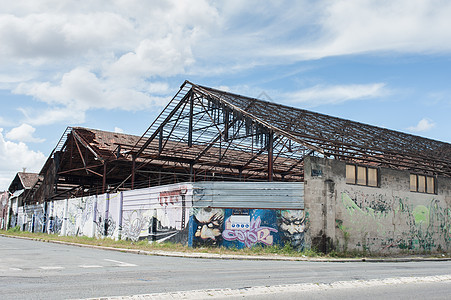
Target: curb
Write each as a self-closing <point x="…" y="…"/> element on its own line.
<point x="235" y="257"/>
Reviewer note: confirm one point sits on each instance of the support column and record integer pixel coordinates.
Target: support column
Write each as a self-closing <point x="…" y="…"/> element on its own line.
<point x="107" y="214"/>
<point x="270" y="155"/>
<point x="65" y="218"/>
<point x="160" y="140"/>
<point x="191" y="172"/>
<point x="133" y="170"/>
<point x="191" y="113"/>
<point x="121" y="203"/>
<point x="104" y="178"/>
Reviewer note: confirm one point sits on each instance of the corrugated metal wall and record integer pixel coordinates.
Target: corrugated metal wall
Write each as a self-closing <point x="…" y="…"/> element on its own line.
<point x="270" y="195"/>
<point x="156" y="197"/>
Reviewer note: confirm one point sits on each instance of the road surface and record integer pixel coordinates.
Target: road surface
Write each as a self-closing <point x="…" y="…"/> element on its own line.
<point x="38" y="270"/>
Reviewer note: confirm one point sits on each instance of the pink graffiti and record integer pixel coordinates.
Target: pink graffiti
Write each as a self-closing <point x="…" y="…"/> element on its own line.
<point x="252" y="236"/>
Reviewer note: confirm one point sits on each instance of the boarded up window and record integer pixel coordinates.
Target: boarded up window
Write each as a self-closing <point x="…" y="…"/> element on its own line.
<point x="430" y="183"/>
<point x="372" y="177"/>
<point x="361" y="175"/>
<point x="421" y="184"/>
<point x="413" y="182"/>
<point x="350" y="174"/>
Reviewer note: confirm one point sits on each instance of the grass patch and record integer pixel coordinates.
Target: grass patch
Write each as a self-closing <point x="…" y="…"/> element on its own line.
<point x="256" y="250"/>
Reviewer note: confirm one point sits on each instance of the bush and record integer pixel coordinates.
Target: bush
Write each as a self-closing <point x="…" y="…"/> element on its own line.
<point x="14" y="229"/>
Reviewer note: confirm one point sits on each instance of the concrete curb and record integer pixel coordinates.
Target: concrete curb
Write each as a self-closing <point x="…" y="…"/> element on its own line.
<point x="237" y="257"/>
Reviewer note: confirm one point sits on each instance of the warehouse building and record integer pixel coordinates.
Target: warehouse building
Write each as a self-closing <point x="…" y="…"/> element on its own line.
<point x="248" y="172"/>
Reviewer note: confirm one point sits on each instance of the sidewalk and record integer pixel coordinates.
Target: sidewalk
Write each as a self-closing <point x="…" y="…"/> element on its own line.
<point x="274" y="257"/>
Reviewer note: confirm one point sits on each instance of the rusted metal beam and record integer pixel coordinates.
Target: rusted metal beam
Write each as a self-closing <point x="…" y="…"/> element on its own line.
<point x="133" y="170"/>
<point x="104" y="177"/>
<point x="270" y="155"/>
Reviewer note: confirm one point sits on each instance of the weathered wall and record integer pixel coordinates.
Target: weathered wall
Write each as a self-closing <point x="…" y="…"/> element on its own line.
<point x="4" y="200"/>
<point x="34" y="217"/>
<point x="81" y="216"/>
<point x="385" y="219"/>
<point x="173" y="213"/>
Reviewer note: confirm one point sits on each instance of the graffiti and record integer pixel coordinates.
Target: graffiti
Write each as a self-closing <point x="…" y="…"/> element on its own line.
<point x="255" y="234"/>
<point x="292" y="227"/>
<point x="105" y="227"/>
<point x="208" y="224"/>
<point x="39" y="221"/>
<point x="171" y="197"/>
<point x="80" y="216"/>
<point x="421" y="215"/>
<point x="239" y="228"/>
<point x="398" y="223"/>
<point x="55" y="225"/>
<point x="133" y="225"/>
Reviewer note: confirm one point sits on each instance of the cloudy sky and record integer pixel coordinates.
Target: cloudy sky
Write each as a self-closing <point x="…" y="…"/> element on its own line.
<point x="112" y="65"/>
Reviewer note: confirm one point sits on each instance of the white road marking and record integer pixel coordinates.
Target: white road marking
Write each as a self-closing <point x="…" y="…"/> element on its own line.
<point x="15" y="269"/>
<point x="286" y="288"/>
<point x="120" y="263"/>
<point x="90" y="266"/>
<point x="51" y="268"/>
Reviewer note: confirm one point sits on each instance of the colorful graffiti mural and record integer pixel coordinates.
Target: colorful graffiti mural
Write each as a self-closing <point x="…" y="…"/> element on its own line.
<point x="206" y="225"/>
<point x="249" y="235"/>
<point x="266" y="227"/>
<point x="292" y="228"/>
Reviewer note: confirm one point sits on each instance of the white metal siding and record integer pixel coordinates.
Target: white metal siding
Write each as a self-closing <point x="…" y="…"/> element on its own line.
<point x="270" y="195"/>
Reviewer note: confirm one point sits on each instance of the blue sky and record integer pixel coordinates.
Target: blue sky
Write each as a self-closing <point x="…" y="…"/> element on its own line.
<point x="112" y="65"/>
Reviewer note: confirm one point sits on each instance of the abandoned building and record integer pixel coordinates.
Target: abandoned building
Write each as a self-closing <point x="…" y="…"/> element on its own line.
<point x="217" y="168"/>
<point x="18" y="191"/>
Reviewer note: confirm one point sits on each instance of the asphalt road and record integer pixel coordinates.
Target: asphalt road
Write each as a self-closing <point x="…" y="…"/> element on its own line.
<point x="39" y="270"/>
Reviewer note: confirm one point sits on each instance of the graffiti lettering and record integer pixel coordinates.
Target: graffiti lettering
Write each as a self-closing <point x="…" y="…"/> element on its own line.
<point x="171" y="197"/>
<point x="250" y="237"/>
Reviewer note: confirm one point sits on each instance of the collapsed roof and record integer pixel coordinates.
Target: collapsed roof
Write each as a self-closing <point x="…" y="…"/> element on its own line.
<point x="209" y="134"/>
<point x="252" y="135"/>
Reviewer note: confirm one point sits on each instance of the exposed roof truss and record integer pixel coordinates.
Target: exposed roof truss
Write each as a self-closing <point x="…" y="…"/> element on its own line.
<point x="205" y="127"/>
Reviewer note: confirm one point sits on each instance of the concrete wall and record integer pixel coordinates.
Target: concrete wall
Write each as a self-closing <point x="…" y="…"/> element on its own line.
<point x="384" y="219"/>
<point x="4" y="200"/>
<point x="34" y="217"/>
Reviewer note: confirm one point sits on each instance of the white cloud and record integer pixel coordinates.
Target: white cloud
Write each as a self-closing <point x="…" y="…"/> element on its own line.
<point x="98" y="56"/>
<point x="14" y="157"/>
<point x="422" y="126"/>
<point x="113" y="55"/>
<point x="4" y="122"/>
<point x="81" y="90"/>
<point x="66" y="115"/>
<point x="355" y="26"/>
<point x="162" y="57"/>
<point x="336" y="94"/>
<point x="44" y="35"/>
<point x="23" y="133"/>
<point x="118" y="130"/>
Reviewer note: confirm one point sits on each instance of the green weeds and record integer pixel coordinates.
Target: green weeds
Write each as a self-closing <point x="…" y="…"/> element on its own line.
<point x="256" y="250"/>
